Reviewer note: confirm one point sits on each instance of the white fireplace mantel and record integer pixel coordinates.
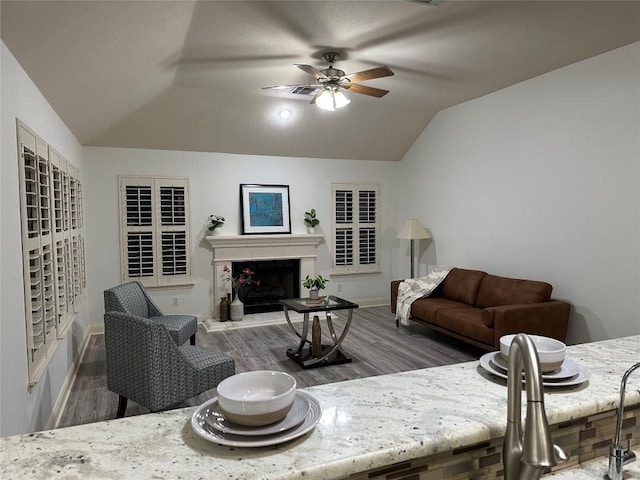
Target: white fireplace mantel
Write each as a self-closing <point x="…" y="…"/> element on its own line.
<point x="240" y="248"/>
<point x="263" y="247"/>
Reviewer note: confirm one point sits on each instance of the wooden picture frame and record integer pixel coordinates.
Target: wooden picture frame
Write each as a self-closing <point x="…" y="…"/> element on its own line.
<point x="265" y="209"/>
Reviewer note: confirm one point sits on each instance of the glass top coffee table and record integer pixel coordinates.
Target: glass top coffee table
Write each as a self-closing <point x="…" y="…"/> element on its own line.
<point x="317" y="354"/>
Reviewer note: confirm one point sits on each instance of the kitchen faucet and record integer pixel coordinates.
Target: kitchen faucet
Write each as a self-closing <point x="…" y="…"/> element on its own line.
<point x="618" y="456"/>
<point x="527" y="457"/>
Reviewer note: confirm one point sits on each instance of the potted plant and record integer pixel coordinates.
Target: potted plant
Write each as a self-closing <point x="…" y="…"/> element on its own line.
<point x="311" y="221"/>
<point x="215" y="221"/>
<point x="314" y="285"/>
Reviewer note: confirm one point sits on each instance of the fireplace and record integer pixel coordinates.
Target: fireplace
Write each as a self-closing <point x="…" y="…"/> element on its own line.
<point x="274" y="280"/>
<point x="232" y="249"/>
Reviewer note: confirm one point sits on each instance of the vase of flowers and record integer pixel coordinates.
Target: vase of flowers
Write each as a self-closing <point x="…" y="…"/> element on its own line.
<point x="236" y="308"/>
<point x="214" y="222"/>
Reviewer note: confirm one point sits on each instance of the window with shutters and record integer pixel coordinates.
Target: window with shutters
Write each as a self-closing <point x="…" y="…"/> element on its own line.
<point x="53" y="250"/>
<point x="154" y="213"/>
<point x="356" y="228"/>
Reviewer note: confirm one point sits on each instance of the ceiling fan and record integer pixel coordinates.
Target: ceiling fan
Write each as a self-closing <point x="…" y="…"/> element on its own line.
<point x="331" y="80"/>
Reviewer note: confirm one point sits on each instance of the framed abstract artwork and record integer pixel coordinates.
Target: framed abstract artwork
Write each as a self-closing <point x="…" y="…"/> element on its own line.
<point x="265" y="209"/>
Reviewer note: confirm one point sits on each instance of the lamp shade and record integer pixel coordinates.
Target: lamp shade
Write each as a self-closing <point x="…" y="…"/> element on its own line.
<point x="330" y="99"/>
<point x="340" y="100"/>
<point x="413" y="230"/>
<point x="325" y="100"/>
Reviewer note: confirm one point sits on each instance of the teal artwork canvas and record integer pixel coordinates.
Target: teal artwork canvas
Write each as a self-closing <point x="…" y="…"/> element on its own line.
<point x="265" y="209"/>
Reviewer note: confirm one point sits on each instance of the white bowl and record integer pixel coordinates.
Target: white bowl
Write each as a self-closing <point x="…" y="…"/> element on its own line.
<point x="255" y="399"/>
<point x="551" y="352"/>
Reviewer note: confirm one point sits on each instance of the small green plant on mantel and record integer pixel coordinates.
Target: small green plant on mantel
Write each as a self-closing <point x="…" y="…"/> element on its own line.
<point x="215" y="221"/>
<point x="310" y="219"/>
<point x="317" y="283"/>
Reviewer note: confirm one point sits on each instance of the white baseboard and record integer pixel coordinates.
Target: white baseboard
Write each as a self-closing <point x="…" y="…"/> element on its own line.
<point x="72" y="373"/>
<point x="372" y="302"/>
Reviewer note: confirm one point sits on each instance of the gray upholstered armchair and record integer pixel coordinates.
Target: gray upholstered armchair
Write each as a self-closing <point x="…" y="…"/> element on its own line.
<point x="132" y="298"/>
<point x="144" y="364"/>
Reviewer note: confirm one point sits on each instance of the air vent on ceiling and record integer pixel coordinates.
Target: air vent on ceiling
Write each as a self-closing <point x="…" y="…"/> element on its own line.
<point x="309" y="91"/>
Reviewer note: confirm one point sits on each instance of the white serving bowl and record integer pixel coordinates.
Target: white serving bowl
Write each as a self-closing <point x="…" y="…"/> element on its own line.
<point x="551" y="352"/>
<point x="255" y="399"/>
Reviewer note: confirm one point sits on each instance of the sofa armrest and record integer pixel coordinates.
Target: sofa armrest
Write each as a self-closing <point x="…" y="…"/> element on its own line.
<point x="550" y="319"/>
<point x="394" y="294"/>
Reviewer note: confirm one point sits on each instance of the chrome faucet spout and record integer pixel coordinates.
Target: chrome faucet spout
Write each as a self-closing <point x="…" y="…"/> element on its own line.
<point x="526" y="456"/>
<point x="618" y="456"/>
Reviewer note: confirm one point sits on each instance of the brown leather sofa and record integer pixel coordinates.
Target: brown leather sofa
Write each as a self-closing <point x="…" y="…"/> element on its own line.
<point x="479" y="308"/>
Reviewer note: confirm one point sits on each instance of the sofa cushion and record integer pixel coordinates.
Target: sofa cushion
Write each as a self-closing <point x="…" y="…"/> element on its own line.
<point x="466" y="322"/>
<point x="495" y="290"/>
<point x="462" y="285"/>
<point x="426" y="308"/>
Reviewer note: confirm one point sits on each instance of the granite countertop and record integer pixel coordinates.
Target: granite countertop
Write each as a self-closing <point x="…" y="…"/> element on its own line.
<point x="366" y="423"/>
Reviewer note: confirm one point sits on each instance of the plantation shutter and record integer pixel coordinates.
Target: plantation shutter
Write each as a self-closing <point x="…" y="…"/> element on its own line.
<point x="155" y="230"/>
<point x="355" y="229"/>
<point x="50" y="209"/>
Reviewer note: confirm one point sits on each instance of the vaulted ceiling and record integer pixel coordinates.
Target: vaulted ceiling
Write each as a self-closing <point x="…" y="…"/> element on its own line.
<point x="187" y="75"/>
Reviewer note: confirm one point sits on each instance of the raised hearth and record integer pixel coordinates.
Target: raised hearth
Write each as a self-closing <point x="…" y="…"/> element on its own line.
<point x="245" y="248"/>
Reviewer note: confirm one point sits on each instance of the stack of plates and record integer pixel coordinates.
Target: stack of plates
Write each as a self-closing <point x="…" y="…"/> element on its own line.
<point x="569" y="374"/>
<point x="209" y="423"/>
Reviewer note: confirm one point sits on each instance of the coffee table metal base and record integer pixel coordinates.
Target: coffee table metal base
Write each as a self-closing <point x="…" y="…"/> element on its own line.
<point x="306" y="360"/>
<point x="310" y="354"/>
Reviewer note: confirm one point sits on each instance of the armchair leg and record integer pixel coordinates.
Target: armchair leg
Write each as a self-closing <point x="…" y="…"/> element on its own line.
<point x="122" y="406"/>
<point x="192" y="340"/>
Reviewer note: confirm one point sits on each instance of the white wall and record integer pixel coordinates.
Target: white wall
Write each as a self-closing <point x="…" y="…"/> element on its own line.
<point x="214" y="182"/>
<point x="20" y="410"/>
<point x="541" y="180"/>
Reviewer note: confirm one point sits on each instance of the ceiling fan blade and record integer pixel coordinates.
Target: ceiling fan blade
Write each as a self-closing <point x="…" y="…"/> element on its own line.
<point x="315" y="97"/>
<point x="282" y="87"/>
<point x="364" y="89"/>
<point x="377" y="72"/>
<point x="310" y="70"/>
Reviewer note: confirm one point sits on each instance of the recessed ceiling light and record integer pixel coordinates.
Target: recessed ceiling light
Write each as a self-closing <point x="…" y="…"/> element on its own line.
<point x="284" y="113"/>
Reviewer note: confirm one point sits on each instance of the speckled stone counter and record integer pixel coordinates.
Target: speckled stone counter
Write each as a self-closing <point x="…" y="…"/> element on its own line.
<point x="366" y="424"/>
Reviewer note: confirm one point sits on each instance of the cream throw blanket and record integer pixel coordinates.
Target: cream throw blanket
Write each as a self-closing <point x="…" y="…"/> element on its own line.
<point x="413" y="289"/>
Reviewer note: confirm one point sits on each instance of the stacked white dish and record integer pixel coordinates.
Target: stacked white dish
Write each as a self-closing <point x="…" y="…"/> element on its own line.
<point x="209" y="422"/>
<point x="568" y="374"/>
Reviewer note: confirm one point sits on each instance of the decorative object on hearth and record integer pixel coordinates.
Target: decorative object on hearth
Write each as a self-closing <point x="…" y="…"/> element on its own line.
<point x="413" y="230"/>
<point x="265" y="209"/>
<point x="236" y="309"/>
<point x="331" y="81"/>
<point x="215" y="221"/>
<point x="224" y="309"/>
<point x="311" y="221"/>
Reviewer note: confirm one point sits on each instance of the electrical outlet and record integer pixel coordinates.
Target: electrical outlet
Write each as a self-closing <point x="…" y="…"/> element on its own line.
<point x="339" y="285"/>
<point x="175" y="301"/>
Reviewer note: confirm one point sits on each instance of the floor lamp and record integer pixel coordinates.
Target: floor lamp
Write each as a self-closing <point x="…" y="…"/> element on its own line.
<point x="413" y="230"/>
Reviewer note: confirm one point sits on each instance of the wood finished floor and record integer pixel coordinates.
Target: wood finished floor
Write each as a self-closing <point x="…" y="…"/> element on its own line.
<point x="375" y="344"/>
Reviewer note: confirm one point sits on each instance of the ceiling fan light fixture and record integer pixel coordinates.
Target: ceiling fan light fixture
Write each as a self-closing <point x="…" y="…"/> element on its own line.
<point x="325" y="100"/>
<point x="330" y="99"/>
<point x="340" y="100"/>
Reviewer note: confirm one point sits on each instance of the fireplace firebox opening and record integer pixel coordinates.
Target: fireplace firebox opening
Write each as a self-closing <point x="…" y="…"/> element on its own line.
<point x="274" y="280"/>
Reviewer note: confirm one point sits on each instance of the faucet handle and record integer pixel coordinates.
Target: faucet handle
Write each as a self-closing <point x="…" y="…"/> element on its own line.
<point x="628" y="456"/>
<point x="561" y="457"/>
